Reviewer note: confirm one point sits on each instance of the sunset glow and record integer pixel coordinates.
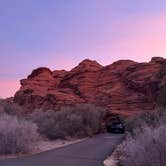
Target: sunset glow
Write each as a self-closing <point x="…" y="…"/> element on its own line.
<point x="59" y="34"/>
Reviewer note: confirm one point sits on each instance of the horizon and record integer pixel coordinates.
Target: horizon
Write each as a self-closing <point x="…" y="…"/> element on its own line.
<point x="60" y="34"/>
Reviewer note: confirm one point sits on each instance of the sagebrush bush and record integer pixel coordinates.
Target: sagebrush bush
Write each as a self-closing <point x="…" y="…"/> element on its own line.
<point x="150" y="118"/>
<point x="78" y="121"/>
<point x="10" y="108"/>
<point x="146" y="148"/>
<point x="145" y="143"/>
<point x="161" y="99"/>
<point x="16" y="135"/>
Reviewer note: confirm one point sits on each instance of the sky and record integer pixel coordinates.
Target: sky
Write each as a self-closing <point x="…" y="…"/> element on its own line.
<point x="60" y="33"/>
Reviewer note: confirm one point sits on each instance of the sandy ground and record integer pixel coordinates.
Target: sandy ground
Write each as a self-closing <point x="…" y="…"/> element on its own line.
<point x="43" y="146"/>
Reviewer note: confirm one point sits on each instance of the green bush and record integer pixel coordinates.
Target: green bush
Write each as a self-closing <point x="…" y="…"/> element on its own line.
<point x="78" y="121"/>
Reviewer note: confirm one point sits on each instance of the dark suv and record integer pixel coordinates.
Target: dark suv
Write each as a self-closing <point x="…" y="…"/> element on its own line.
<point x="115" y="127"/>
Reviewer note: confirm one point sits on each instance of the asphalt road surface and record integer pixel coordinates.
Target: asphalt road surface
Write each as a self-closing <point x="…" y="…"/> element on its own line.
<point x="91" y="152"/>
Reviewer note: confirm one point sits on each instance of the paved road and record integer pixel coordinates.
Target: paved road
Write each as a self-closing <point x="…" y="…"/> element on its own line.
<point x="90" y="152"/>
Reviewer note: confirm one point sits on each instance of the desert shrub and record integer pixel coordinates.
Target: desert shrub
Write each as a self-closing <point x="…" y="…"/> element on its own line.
<point x="150" y="118"/>
<point x="145" y="144"/>
<point x="161" y="99"/>
<point x="146" y="148"/>
<point x="78" y="121"/>
<point x="16" y="135"/>
<point x="10" y="108"/>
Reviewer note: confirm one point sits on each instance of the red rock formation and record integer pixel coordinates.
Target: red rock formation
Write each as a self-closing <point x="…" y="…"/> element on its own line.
<point x="124" y="87"/>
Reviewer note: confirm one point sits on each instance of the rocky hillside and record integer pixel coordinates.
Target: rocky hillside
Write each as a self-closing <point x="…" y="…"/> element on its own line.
<point x="124" y="87"/>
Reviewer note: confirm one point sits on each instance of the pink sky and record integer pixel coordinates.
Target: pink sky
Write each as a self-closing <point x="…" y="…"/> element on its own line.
<point x="61" y="38"/>
<point x="141" y="40"/>
<point x="8" y="88"/>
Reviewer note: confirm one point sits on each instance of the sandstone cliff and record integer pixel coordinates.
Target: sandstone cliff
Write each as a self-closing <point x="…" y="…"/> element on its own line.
<point x="124" y="87"/>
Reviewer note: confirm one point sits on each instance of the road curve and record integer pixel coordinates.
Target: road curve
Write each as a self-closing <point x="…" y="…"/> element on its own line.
<point x="90" y="152"/>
